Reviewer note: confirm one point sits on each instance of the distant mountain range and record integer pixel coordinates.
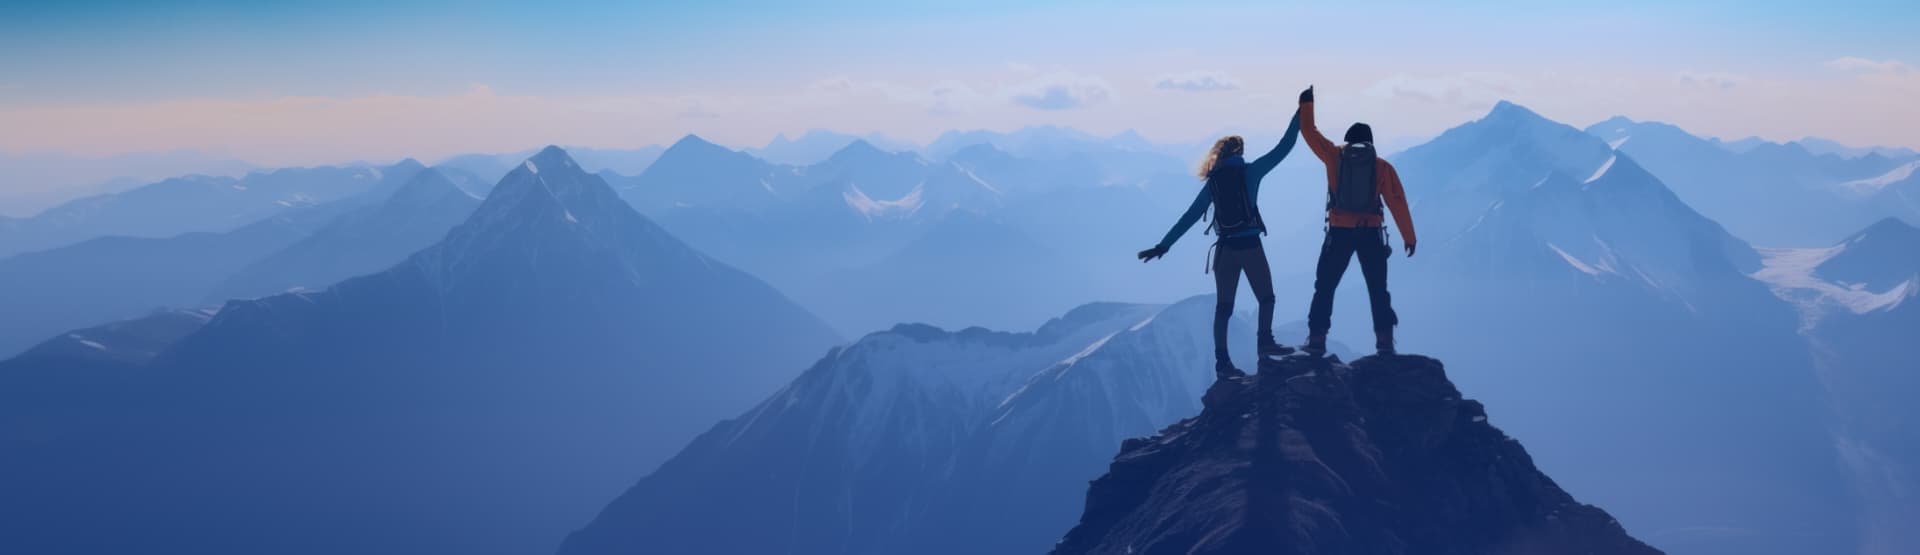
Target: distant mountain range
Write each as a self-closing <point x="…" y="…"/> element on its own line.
<point x="368" y="239"/>
<point x="111" y="278"/>
<point x="489" y="168"/>
<point x="816" y="145"/>
<point x="1785" y="195"/>
<point x="32" y="182"/>
<point x="501" y="382"/>
<point x="194" y="203"/>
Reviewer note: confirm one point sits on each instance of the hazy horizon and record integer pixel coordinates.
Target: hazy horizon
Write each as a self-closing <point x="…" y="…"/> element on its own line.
<point x="310" y="84"/>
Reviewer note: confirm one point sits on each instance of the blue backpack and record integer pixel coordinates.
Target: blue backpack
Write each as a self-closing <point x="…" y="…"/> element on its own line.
<point x="1233" y="208"/>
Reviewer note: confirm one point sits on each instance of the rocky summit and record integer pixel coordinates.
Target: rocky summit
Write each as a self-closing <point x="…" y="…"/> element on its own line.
<point x="1312" y="456"/>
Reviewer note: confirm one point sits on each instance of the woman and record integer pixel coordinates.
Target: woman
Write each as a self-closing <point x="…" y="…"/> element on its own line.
<point x="1233" y="190"/>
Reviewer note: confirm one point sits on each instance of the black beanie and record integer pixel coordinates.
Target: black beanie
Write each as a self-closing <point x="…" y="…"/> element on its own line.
<point x="1359" y="133"/>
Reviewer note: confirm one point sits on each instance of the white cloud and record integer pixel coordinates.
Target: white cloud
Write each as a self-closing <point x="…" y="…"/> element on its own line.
<point x="1850" y="63"/>
<point x="1018" y="67"/>
<point x="1197" y="81"/>
<point x="1060" y="91"/>
<point x="1473" y="91"/>
<point x="1715" y="80"/>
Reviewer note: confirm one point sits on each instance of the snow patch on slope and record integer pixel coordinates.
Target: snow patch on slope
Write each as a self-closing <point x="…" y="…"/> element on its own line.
<point x="1575" y="262"/>
<point x="877" y="209"/>
<point x="88" y="342"/>
<point x="1791" y="275"/>
<point x="1603" y="169"/>
<point x="1871" y="185"/>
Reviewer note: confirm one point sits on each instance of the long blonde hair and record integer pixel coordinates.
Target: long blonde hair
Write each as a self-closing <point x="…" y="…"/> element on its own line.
<point x="1230" y="145"/>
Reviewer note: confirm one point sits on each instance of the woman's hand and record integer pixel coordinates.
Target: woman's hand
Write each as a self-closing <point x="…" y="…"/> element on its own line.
<point x="1410" y="246"/>
<point x="1156" y="252"/>
<point x="1306" y="95"/>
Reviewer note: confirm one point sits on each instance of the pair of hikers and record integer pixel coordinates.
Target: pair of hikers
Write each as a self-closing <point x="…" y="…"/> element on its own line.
<point x="1359" y="185"/>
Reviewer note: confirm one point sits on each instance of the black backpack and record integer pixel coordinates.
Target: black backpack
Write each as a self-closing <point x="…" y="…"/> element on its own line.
<point x="1233" y="208"/>
<point x="1356" y="192"/>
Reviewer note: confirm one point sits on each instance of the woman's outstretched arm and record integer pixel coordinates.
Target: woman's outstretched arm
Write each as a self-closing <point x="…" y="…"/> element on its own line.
<point x="1266" y="162"/>
<point x="1187" y="220"/>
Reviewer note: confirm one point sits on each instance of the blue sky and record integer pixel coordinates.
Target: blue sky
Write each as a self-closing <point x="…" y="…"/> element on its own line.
<point x="308" y="82"/>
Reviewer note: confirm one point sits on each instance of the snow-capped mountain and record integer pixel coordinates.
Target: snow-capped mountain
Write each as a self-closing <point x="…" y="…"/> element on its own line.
<point x="1617" y="225"/>
<point x="1629" y="310"/>
<point x="1885" y="254"/>
<point x="896" y="443"/>
<point x="1456" y="177"/>
<point x="481" y="397"/>
<point x="368" y="239"/>
<point x="1385" y="456"/>
<point x="876" y="184"/>
<point x="1776" y="195"/>
<point x="195" y="203"/>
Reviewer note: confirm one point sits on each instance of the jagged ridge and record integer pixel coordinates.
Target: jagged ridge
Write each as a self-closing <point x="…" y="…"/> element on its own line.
<point x="1313" y="456"/>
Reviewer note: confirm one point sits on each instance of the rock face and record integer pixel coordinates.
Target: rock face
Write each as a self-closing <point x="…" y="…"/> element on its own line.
<point x="1314" y="456"/>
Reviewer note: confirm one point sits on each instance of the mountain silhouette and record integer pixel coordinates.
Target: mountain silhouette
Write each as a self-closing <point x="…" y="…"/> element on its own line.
<point x="480" y="397"/>
<point x="194" y="203"/>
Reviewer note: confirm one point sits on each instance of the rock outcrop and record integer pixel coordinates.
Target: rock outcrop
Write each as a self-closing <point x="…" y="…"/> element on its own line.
<point x="1383" y="456"/>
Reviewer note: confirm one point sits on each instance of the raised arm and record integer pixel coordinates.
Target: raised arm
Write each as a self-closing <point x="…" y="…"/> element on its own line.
<point x="1396" y="201"/>
<point x="1266" y="162"/>
<point x="1187" y="220"/>
<point x="1328" y="152"/>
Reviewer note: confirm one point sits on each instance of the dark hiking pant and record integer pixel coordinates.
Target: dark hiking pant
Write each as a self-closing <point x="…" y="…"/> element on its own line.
<point x="1342" y="244"/>
<point x="1231" y="258"/>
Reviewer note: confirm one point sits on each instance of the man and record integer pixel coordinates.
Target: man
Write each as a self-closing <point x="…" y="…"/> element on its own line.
<point x="1359" y="182"/>
<point x="1233" y="190"/>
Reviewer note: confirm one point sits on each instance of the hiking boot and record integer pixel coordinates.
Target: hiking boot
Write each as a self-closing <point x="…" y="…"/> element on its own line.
<point x="1275" y="351"/>
<point x="1383" y="342"/>
<point x="1225" y="370"/>
<point x="1316" y="344"/>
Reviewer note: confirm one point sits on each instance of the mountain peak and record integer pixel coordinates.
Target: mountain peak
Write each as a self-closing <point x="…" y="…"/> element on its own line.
<point x="1616" y="121"/>
<point x="425" y="187"/>
<point x="1506" y="110"/>
<point x="859" y="147"/>
<point x="1313" y="456"/>
<point x="695" y="142"/>
<point x="407" y="164"/>
<point x="1882" y="256"/>
<point x="692" y="153"/>
<point x="552" y="156"/>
